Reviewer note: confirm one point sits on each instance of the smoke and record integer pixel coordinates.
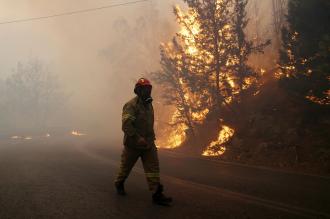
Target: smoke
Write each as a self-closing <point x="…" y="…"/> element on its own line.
<point x="96" y="56"/>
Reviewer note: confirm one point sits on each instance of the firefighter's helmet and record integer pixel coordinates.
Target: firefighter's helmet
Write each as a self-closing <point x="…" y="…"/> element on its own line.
<point x="141" y="83"/>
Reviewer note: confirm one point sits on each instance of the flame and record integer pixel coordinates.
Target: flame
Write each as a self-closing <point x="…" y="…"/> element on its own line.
<point x="190" y="38"/>
<point x="200" y="116"/>
<point x="176" y="136"/>
<point x="324" y="101"/>
<point x="290" y="68"/>
<point x="189" y="30"/>
<point x="20" y="137"/>
<point x="217" y="148"/>
<point x="15" y="137"/>
<point x="256" y="93"/>
<point x="76" y="133"/>
<point x="231" y="82"/>
<point x="262" y="71"/>
<point x="47" y="135"/>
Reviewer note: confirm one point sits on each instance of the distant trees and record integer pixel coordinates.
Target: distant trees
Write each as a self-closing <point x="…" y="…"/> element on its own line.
<point x="279" y="10"/>
<point x="305" y="53"/>
<point x="29" y="96"/>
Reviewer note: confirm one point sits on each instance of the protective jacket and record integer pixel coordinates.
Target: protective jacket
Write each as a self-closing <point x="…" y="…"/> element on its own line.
<point x="138" y="121"/>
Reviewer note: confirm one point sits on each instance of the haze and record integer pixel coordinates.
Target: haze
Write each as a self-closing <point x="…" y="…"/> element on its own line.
<point x="95" y="56"/>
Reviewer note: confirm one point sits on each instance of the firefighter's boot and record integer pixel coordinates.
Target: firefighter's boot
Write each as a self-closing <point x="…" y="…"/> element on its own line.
<point x="120" y="188"/>
<point x="159" y="198"/>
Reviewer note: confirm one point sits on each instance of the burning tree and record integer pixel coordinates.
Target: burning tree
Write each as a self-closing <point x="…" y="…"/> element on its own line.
<point x="204" y="68"/>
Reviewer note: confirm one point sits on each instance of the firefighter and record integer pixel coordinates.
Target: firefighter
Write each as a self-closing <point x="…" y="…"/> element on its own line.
<point x="139" y="141"/>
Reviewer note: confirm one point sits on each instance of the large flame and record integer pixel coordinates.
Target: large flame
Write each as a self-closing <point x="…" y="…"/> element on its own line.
<point x="199" y="103"/>
<point x="217" y="148"/>
<point x="189" y="30"/>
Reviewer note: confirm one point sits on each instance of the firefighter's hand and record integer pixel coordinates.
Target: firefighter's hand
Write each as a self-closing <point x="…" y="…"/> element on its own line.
<point x="142" y="141"/>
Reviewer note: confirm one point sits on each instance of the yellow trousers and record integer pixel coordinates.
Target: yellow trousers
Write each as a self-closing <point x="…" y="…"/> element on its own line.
<point x="150" y="163"/>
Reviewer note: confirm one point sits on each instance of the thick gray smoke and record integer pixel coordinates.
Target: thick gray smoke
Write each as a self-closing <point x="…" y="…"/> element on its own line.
<point x="93" y="58"/>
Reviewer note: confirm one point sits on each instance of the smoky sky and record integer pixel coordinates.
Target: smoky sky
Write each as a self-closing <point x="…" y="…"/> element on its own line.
<point x="97" y="56"/>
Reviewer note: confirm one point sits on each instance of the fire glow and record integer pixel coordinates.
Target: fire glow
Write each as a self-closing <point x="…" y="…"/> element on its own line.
<point x="217" y="148"/>
<point x="76" y="133"/>
<point x="176" y="134"/>
<point x="192" y="59"/>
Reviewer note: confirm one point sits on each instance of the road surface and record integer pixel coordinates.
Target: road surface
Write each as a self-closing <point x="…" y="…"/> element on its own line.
<point x="74" y="179"/>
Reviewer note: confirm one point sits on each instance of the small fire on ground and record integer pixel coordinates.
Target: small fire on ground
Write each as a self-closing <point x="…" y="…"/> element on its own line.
<point x="76" y="133"/>
<point x="217" y="148"/>
<point x="21" y="137"/>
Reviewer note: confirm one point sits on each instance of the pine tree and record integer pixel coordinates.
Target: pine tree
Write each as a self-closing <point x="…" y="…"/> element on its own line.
<point x="213" y="43"/>
<point x="246" y="78"/>
<point x="204" y="68"/>
<point x="172" y="78"/>
<point x="304" y="58"/>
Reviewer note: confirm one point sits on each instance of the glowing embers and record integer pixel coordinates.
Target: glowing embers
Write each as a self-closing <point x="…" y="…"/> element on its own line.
<point x="217" y="148"/>
<point x="320" y="101"/>
<point x="76" y="133"/>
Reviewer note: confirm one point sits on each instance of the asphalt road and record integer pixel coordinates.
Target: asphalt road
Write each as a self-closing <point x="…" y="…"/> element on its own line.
<point x="74" y="179"/>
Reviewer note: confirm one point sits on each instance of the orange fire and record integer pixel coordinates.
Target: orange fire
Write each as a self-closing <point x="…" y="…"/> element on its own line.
<point x="217" y="148"/>
<point x="21" y="137"/>
<point x="76" y="133"/>
<point x="175" y="134"/>
<point x="325" y="101"/>
<point x="190" y="30"/>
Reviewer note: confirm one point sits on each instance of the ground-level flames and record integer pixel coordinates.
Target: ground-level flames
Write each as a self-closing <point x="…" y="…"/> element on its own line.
<point x="76" y="133"/>
<point x="217" y="148"/>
